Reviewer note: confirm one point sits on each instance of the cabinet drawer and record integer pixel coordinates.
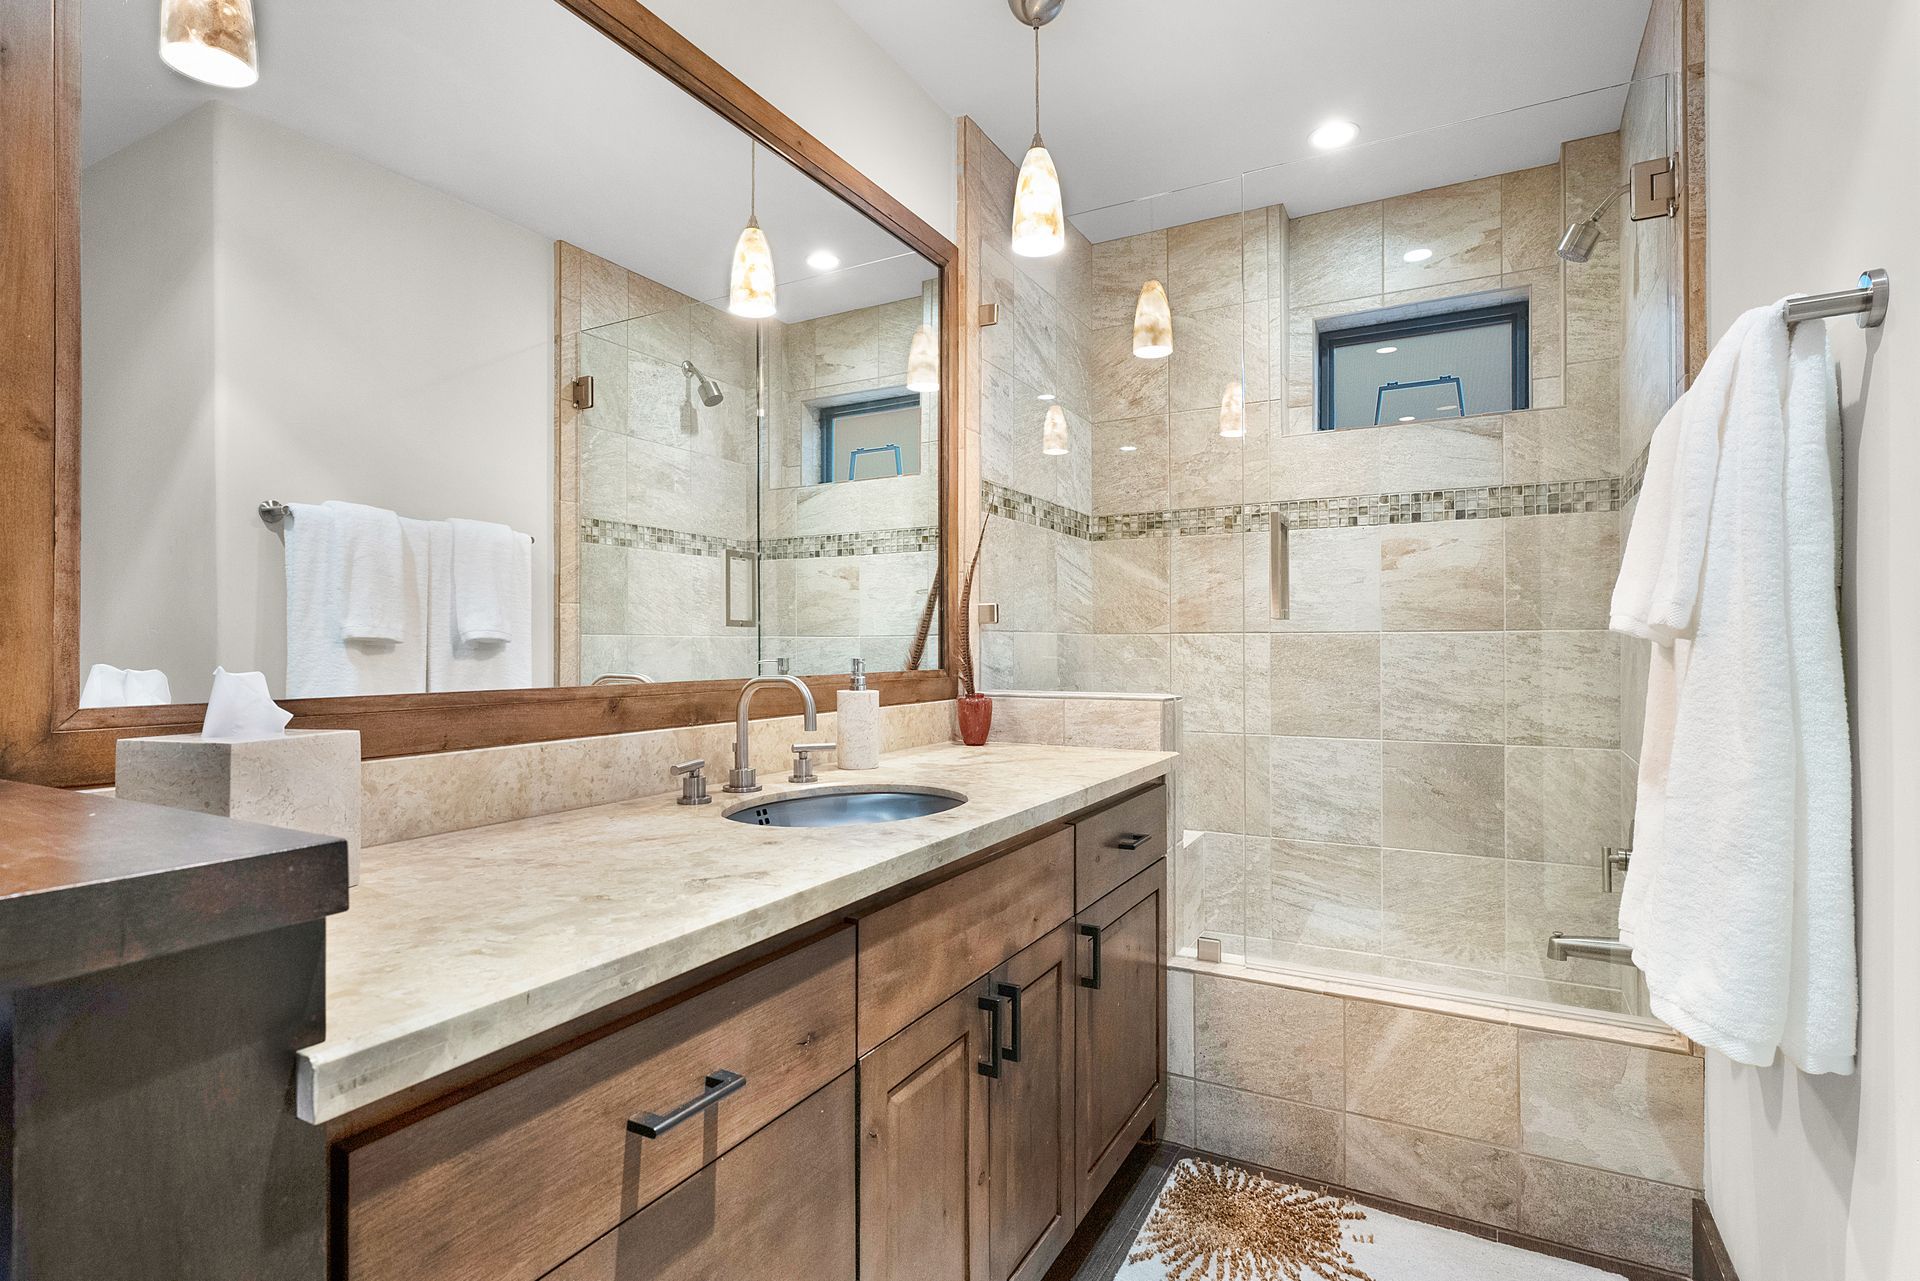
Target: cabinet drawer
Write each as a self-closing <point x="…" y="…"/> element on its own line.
<point x="780" y="1207"/>
<point x="916" y="953"/>
<point x="1108" y="849"/>
<point x="508" y="1182"/>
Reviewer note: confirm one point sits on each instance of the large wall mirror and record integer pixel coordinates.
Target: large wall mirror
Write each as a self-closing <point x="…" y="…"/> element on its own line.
<point x="396" y="382"/>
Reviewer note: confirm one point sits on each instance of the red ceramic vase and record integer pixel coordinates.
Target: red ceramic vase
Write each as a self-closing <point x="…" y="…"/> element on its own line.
<point x="976" y="718"/>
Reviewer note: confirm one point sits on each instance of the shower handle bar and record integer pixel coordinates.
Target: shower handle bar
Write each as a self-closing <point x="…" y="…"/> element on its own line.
<point x="1561" y="947"/>
<point x="1867" y="303"/>
<point x="1279" y="568"/>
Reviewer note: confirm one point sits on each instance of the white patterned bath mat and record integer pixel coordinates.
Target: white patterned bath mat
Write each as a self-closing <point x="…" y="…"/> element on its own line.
<point x="1218" y="1223"/>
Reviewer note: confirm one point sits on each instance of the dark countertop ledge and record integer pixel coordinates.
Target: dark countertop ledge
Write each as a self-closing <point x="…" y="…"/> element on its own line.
<point x="90" y="882"/>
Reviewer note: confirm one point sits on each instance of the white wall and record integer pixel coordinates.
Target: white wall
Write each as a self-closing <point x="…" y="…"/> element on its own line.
<point x="1813" y="127"/>
<point x="375" y="341"/>
<point x="811" y="60"/>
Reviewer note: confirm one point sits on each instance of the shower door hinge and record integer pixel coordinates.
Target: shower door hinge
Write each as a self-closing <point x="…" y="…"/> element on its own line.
<point x="1654" y="195"/>
<point x="582" y="389"/>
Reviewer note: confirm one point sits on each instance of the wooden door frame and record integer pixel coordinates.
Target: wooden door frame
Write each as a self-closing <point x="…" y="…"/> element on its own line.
<point x="44" y="735"/>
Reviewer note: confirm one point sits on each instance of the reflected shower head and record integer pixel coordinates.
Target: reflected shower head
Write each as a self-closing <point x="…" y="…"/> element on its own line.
<point x="710" y="393"/>
<point x="1582" y="237"/>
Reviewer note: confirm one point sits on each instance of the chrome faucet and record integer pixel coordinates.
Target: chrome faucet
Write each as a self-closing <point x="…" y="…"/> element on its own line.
<point x="742" y="777"/>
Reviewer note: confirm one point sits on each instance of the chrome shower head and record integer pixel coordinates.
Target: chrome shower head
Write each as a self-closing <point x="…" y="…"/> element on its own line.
<point x="1582" y="237"/>
<point x="710" y="393"/>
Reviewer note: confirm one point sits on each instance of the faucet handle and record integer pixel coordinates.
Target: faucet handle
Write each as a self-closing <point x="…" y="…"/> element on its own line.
<point x="693" y="782"/>
<point x="803" y="761"/>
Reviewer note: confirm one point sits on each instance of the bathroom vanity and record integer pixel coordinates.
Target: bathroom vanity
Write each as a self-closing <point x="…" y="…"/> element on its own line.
<point x="905" y="1049"/>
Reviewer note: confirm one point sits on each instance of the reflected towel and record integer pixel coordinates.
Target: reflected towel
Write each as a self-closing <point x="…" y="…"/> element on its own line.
<point x="492" y="581"/>
<point x="366" y="551"/>
<point x="481" y="664"/>
<point x="322" y="660"/>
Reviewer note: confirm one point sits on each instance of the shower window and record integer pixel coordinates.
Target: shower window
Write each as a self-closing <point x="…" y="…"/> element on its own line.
<point x="868" y="439"/>
<point x="1453" y="364"/>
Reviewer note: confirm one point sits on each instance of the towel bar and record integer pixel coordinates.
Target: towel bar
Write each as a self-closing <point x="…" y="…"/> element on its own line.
<point x="1867" y="304"/>
<point x="272" y="512"/>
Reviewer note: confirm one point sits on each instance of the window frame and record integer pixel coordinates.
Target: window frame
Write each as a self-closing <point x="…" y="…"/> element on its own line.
<point x="830" y="414"/>
<point x="1328" y="341"/>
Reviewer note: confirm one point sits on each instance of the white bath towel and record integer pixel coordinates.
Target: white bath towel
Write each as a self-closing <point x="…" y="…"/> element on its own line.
<point x="110" y="686"/>
<point x="322" y="660"/>
<point x="366" y="550"/>
<point x="492" y="570"/>
<point x="1743" y="821"/>
<point x="453" y="664"/>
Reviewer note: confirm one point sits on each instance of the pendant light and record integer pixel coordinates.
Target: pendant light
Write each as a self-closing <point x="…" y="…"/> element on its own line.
<point x="1233" y="411"/>
<point x="1152" y="323"/>
<point x="923" y="362"/>
<point x="210" y="41"/>
<point x="1039" y="216"/>
<point x="750" y="287"/>
<point x="1053" y="437"/>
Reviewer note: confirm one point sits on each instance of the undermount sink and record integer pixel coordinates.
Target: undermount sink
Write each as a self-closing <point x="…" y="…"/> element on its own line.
<point x="847" y="807"/>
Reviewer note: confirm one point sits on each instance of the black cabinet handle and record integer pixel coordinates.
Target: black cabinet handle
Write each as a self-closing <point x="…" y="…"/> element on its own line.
<point x="1093" y="976"/>
<point x="651" y="1125"/>
<point x="1011" y="995"/>
<point x="1133" y="840"/>
<point x="995" y="1054"/>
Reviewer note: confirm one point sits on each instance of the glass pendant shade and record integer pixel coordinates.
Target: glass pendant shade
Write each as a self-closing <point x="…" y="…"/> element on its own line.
<point x="1053" y="437"/>
<point x="1039" y="218"/>
<point x="1233" y="411"/>
<point x="923" y="362"/>
<point x="210" y="41"/>
<point x="1152" y="323"/>
<point x="750" y="288"/>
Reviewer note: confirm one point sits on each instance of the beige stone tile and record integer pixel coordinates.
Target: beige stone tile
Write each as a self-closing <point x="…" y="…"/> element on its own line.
<point x="1460" y="224"/>
<point x="1280" y="1135"/>
<point x="1208" y="582"/>
<point x="1335" y="579"/>
<point x="1545" y="897"/>
<point x="1443" y="909"/>
<point x="1325" y="464"/>
<point x="1179" y="1116"/>
<point x="1132" y="592"/>
<point x="1301" y="340"/>
<point x="1563" y="804"/>
<point x="1131" y="479"/>
<point x="1578" y="996"/>
<point x="1213" y="349"/>
<point x="1116" y="271"/>
<point x="1139" y="664"/>
<point x="1612" y="1214"/>
<point x="1454" y="454"/>
<point x="603" y="292"/>
<point x="604" y="473"/>
<point x="1124" y="385"/>
<point x="1209" y="673"/>
<point x="1208" y="266"/>
<point x="1580" y="441"/>
<point x="1325" y="685"/>
<point x="1224" y="873"/>
<point x="1127" y="724"/>
<point x="1438" y="1171"/>
<point x="1561" y="569"/>
<point x="1258" y="820"/>
<point x="603" y="589"/>
<point x="1268" y="1040"/>
<point x="1180" y="1021"/>
<point x="1563" y="689"/>
<point x="1211" y="781"/>
<point x="1335" y="255"/>
<point x="1445" y="797"/>
<point x="1447" y="686"/>
<point x="1434" y="1071"/>
<point x="1325" y="895"/>
<point x="1259" y="689"/>
<point x="1325" y="789"/>
<point x="1447" y="576"/>
<point x="1208" y="470"/>
<point x="1619" y="1107"/>
<point x="1546" y="323"/>
<point x="1531" y="222"/>
<point x="1029" y="720"/>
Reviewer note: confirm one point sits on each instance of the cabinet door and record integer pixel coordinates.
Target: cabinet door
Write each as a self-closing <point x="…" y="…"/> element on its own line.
<point x="1120" y="1026"/>
<point x="1032" y="1186"/>
<point x="923" y="1146"/>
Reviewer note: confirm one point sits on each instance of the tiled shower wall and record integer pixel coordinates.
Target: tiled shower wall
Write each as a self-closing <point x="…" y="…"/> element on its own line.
<point x="654" y="486"/>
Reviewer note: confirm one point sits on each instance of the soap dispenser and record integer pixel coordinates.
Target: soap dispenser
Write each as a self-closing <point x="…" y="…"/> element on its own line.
<point x="859" y="722"/>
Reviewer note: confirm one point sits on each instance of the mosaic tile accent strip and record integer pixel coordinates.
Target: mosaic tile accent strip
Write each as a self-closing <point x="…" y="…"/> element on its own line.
<point x="881" y="542"/>
<point x="1011" y="504"/>
<point x="620" y="533"/>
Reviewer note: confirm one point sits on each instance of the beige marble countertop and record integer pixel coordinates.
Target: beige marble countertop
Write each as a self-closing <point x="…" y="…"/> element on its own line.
<point x="464" y="943"/>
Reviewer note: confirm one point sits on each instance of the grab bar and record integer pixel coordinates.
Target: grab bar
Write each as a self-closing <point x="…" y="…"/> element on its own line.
<point x="1560" y="947"/>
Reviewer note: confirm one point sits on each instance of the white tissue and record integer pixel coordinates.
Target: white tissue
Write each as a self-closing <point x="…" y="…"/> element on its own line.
<point x="240" y="708"/>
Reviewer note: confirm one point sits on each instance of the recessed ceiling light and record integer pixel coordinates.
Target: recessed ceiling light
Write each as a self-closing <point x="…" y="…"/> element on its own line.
<point x="823" y="260"/>
<point x="1128" y="449"/>
<point x="1334" y="133"/>
<point x="1407" y="419"/>
<point x="1045" y="395"/>
<point x="1416" y="255"/>
<point x="1384" y="351"/>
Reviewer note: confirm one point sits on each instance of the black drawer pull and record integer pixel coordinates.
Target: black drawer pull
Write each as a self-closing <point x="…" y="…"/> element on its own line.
<point x="651" y="1125"/>
<point x="995" y="1054"/>
<point x="1093" y="976"/>
<point x="1011" y="995"/>
<point x="1133" y="840"/>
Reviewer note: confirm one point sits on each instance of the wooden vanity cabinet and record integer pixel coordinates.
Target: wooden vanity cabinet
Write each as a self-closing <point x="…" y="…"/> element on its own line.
<point x="1031" y="1185"/>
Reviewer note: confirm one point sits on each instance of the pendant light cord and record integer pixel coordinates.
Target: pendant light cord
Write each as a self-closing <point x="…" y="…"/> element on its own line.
<point x="1036" y="83"/>
<point x="753" y="179"/>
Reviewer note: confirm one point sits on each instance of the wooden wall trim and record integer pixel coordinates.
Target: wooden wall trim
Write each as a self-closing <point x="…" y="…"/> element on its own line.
<point x="43" y="738"/>
<point x="1693" y="184"/>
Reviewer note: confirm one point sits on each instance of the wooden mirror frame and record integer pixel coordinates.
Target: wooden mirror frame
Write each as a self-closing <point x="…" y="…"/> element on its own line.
<point x="44" y="736"/>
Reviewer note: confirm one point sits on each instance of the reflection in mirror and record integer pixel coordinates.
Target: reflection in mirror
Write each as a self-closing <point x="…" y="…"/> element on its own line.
<point x="476" y="349"/>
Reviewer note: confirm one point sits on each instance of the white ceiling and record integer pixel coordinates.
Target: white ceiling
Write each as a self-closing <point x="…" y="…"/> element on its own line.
<point x="520" y="108"/>
<point x="1144" y="97"/>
